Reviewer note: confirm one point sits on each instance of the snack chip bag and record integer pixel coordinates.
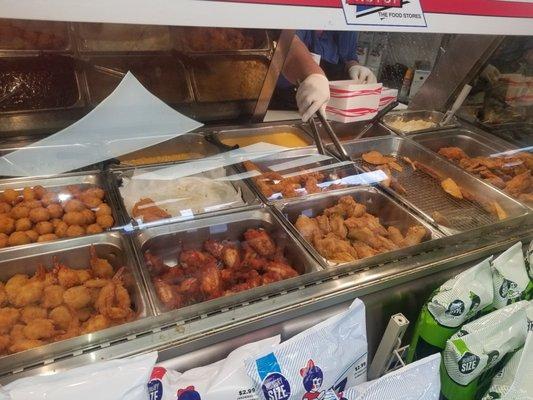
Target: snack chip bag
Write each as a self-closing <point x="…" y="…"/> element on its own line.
<point x="416" y="381"/>
<point x="514" y="381"/>
<point x="330" y="355"/>
<point x="450" y="306"/>
<point x="510" y="278"/>
<point x="472" y="356"/>
<point x="225" y="379"/>
<point x="124" y="378"/>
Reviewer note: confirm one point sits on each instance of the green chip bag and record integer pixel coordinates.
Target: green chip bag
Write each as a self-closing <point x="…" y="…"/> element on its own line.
<point x="451" y="305"/>
<point x="472" y="356"/>
<point x="515" y="380"/>
<point x="510" y="277"/>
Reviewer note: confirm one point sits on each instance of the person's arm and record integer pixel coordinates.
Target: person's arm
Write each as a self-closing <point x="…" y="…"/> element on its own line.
<point x="299" y="63"/>
<point x="313" y="87"/>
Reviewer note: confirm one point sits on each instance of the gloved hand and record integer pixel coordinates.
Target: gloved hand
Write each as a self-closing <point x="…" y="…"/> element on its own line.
<point x="312" y="95"/>
<point x="491" y="74"/>
<point x="361" y="74"/>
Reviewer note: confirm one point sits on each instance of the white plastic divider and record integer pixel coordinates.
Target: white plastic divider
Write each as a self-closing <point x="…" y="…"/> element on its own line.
<point x="129" y="119"/>
<point x="232" y="157"/>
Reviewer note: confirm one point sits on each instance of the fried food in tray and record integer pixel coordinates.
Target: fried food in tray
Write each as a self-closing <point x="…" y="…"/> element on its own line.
<point x="203" y="39"/>
<point x="273" y="185"/>
<point x="37" y="214"/>
<point x="510" y="173"/>
<point x="392" y="166"/>
<point x="346" y="232"/>
<point x="61" y="302"/>
<point x="219" y="268"/>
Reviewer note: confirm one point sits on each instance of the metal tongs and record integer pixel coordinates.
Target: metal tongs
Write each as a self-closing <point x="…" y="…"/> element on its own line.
<point x="456" y="105"/>
<point x="342" y="153"/>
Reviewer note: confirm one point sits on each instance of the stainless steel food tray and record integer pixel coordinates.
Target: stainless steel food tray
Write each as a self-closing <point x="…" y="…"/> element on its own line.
<point x="78" y="103"/>
<point x="75" y="253"/>
<point x="301" y="161"/>
<point x="115" y="180"/>
<point x="261" y="39"/>
<point x="242" y="132"/>
<point x="106" y="72"/>
<point x="167" y="241"/>
<point x="408" y="115"/>
<point x="472" y="143"/>
<point x="201" y="67"/>
<point x="190" y="143"/>
<point x="377" y="203"/>
<point x="62" y="29"/>
<point x="347" y="131"/>
<point x="86" y="42"/>
<point x="424" y="193"/>
<point x="84" y="180"/>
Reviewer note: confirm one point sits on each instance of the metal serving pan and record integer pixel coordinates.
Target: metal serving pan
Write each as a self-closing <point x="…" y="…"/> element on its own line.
<point x="84" y="180"/>
<point x="193" y="143"/>
<point x="424" y="193"/>
<point x="305" y="160"/>
<point x="165" y="76"/>
<point x="106" y="38"/>
<point x="376" y="202"/>
<point x="227" y="78"/>
<point x="473" y="144"/>
<point x="75" y="253"/>
<point x="408" y="115"/>
<point x="182" y="35"/>
<point x="167" y="241"/>
<point x="23" y="37"/>
<point x="347" y="131"/>
<point x="244" y="137"/>
<point x="73" y="93"/>
<point x="116" y="176"/>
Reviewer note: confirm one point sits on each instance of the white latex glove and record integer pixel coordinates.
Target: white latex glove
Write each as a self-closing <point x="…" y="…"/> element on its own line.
<point x="312" y="95"/>
<point x="491" y="74"/>
<point x="361" y="74"/>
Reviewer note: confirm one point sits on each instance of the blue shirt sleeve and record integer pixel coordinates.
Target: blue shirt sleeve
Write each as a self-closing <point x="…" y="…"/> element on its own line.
<point x="347" y="46"/>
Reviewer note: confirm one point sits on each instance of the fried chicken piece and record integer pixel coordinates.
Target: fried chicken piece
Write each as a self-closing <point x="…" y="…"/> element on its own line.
<point x="415" y="234"/>
<point x="265" y="188"/>
<point x="374" y="240"/>
<point x="346" y="207"/>
<point x="520" y="183"/>
<point x="410" y="162"/>
<point x="250" y="166"/>
<point x="261" y="242"/>
<point x="214" y="247"/>
<point x="311" y="185"/>
<point x="335" y="249"/>
<point x="275" y="271"/>
<point x="167" y="294"/>
<point x="430" y="171"/>
<point x="308" y="227"/>
<point x="452" y="153"/>
<point x="148" y="211"/>
<point x="366" y="221"/>
<point x="289" y="189"/>
<point x="337" y="226"/>
<point x="396" y="236"/>
<point x="386" y="170"/>
<point x="527" y="158"/>
<point x="227" y="253"/>
<point x="363" y="250"/>
<point x="155" y="264"/>
<point x="323" y="225"/>
<point x="210" y="283"/>
<point x="451" y="188"/>
<point x="193" y="260"/>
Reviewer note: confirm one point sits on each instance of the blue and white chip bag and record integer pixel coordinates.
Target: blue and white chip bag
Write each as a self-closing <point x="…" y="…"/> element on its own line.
<point x="331" y="355"/>
<point x="419" y="380"/>
<point x="222" y="380"/>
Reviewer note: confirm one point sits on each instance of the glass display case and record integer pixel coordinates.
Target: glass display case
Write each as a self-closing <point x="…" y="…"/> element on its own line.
<point x="208" y="237"/>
